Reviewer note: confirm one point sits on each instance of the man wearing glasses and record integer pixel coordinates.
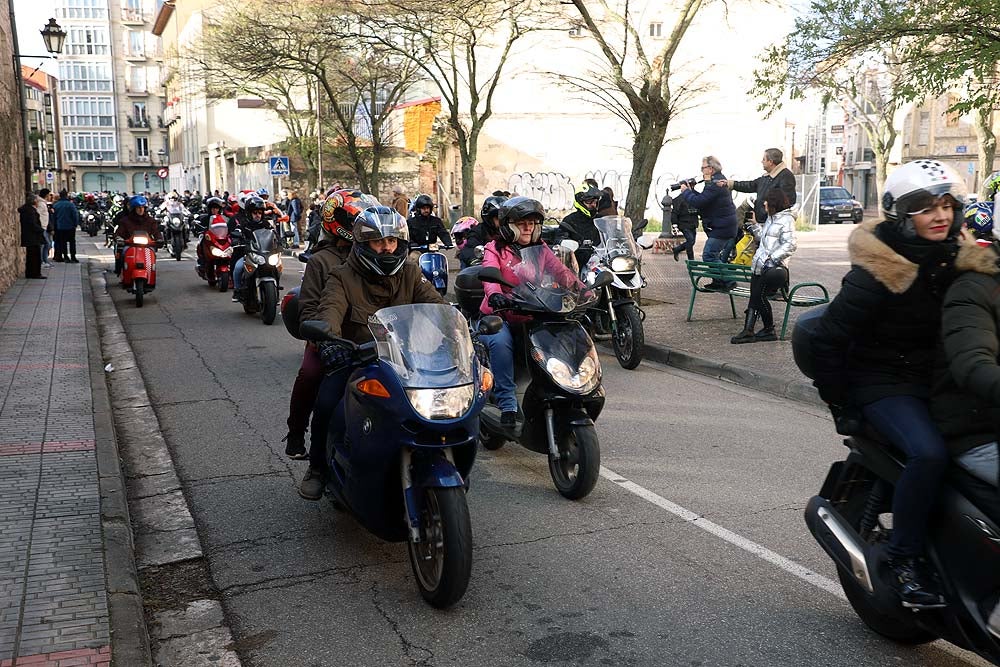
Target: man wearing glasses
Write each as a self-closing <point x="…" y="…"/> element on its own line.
<point x="718" y="215"/>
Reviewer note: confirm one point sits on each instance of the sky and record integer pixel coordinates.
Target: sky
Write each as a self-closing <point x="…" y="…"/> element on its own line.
<point x="30" y="17"/>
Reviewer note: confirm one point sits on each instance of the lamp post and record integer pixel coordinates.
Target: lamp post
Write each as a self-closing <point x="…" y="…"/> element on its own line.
<point x="54" y="38"/>
<point x="99" y="159"/>
<point x="162" y="155"/>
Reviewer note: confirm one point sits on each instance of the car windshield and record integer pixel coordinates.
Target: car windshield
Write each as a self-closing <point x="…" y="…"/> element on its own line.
<point x="546" y="283"/>
<point x="833" y="193"/>
<point x="426" y="344"/>
<point x="616" y="236"/>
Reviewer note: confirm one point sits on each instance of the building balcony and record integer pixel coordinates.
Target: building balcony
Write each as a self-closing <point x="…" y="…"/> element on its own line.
<point x="132" y="88"/>
<point x="138" y="124"/>
<point x="133" y="56"/>
<point x="133" y="16"/>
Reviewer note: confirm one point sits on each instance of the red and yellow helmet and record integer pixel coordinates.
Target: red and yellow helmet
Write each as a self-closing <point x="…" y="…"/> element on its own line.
<point x="340" y="209"/>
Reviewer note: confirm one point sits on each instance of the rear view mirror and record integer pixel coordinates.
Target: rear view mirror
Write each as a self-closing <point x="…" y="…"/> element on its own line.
<point x="489" y="325"/>
<point x="491" y="274"/>
<point x="316" y="330"/>
<point x="570" y="244"/>
<point x="603" y="279"/>
<point x="644" y="243"/>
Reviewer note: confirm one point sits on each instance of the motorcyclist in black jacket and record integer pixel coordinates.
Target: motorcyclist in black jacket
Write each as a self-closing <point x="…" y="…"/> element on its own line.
<point x="484" y="232"/>
<point x="579" y="225"/>
<point x="424" y="226"/>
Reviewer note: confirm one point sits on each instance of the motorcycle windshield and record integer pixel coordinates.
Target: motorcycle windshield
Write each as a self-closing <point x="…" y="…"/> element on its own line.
<point x="264" y="241"/>
<point x="549" y="284"/>
<point x="616" y="237"/>
<point x="428" y="345"/>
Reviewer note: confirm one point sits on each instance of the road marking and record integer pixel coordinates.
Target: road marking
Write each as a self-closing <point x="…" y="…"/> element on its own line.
<point x="818" y="580"/>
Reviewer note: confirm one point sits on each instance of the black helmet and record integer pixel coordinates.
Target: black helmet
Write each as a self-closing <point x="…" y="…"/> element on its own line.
<point x="251" y="204"/>
<point x="421" y="201"/>
<point x="380" y="222"/>
<point x="516" y="209"/>
<point x="215" y="201"/>
<point x="587" y="192"/>
<point x="490" y="210"/>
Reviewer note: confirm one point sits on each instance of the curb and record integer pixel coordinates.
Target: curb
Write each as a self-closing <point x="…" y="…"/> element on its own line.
<point x="796" y="390"/>
<point x="127" y="621"/>
<point x="166" y="540"/>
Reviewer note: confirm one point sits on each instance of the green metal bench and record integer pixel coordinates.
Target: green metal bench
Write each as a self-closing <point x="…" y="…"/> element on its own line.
<point x="741" y="274"/>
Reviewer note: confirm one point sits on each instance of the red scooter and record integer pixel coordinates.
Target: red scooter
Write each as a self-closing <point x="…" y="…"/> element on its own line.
<point x="215" y="251"/>
<point x="139" y="266"/>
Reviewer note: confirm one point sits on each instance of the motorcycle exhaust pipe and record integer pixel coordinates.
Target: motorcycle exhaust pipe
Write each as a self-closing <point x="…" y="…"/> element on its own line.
<point x="840" y="541"/>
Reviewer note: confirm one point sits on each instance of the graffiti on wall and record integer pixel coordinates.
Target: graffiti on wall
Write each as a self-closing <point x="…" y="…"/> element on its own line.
<point x="553" y="189"/>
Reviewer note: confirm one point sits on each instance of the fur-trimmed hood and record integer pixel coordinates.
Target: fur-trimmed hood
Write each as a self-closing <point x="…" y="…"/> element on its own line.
<point x="875" y="256"/>
<point x="974" y="257"/>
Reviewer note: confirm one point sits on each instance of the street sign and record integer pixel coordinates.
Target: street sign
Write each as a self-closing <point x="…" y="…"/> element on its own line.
<point x="162" y="172"/>
<point x="49" y="177"/>
<point x="961" y="149"/>
<point x="278" y="165"/>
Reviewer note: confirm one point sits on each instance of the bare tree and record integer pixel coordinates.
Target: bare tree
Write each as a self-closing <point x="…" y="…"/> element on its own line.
<point x="463" y="47"/>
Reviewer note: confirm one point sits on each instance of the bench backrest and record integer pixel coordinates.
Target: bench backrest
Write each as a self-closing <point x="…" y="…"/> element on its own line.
<point x="720" y="271"/>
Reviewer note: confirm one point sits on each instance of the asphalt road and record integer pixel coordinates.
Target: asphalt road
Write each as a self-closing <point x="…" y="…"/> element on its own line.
<point x="623" y="577"/>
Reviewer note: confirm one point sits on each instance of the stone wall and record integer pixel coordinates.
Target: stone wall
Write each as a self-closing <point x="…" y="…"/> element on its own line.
<point x="11" y="159"/>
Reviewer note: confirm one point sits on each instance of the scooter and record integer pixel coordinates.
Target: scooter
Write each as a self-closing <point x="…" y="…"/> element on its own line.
<point x="214" y="253"/>
<point x="92" y="221"/>
<point x="847" y="519"/>
<point x="175" y="228"/>
<point x="263" y="275"/>
<point x="412" y="414"/>
<point x="617" y="311"/>
<point x="556" y="367"/>
<point x="434" y="265"/>
<point x="139" y="267"/>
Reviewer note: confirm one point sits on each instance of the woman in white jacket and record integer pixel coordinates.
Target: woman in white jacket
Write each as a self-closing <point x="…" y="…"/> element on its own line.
<point x="776" y="243"/>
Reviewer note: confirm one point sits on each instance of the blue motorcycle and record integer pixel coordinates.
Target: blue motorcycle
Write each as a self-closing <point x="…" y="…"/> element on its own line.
<point x="412" y="421"/>
<point x="434" y="265"/>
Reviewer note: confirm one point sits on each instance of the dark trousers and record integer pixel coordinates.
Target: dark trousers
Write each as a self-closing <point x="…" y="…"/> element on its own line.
<point x="328" y="414"/>
<point x="905" y="421"/>
<point x="763" y="285"/>
<point x="32" y="262"/>
<point x="65" y="237"/>
<point x="688" y="245"/>
<point x="304" y="390"/>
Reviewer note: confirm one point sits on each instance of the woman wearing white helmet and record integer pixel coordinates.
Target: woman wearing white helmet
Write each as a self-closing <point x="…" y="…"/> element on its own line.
<point x="875" y="348"/>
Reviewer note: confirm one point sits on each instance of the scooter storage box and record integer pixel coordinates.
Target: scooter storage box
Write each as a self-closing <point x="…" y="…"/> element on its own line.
<point x="802" y="340"/>
<point x="469" y="290"/>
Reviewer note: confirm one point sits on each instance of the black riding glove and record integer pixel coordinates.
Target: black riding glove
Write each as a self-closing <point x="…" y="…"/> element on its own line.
<point x="499" y="301"/>
<point x="336" y="354"/>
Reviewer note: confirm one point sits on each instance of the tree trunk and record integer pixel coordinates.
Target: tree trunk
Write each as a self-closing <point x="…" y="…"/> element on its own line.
<point x="987" y="142"/>
<point x="645" y="151"/>
<point x="468" y="154"/>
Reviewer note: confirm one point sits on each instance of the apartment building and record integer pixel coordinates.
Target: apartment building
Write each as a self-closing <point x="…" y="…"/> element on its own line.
<point x="41" y="101"/>
<point x="111" y="101"/>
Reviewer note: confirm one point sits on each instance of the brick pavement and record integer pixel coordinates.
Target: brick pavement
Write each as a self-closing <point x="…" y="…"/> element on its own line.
<point x="53" y="598"/>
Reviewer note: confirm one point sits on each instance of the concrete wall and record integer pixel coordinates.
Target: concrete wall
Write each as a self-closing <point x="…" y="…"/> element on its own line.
<point x="12" y="169"/>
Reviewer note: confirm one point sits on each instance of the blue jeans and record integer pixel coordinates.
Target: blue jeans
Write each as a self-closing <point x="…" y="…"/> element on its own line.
<point x="717" y="250"/>
<point x="328" y="416"/>
<point x="906" y="423"/>
<point x="501" y="347"/>
<point x="238" y="273"/>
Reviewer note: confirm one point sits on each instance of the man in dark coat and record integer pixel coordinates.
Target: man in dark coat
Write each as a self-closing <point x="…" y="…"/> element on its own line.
<point x="776" y="175"/>
<point x="67" y="219"/>
<point x="718" y="215"/>
<point x="32" y="239"/>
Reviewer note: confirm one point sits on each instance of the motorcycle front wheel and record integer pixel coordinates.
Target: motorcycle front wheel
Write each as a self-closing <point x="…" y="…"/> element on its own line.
<point x="139" y="287"/>
<point x="223" y="280"/>
<point x="629" y="339"/>
<point x="176" y="247"/>
<point x="442" y="560"/>
<point x="576" y="470"/>
<point x="268" y="302"/>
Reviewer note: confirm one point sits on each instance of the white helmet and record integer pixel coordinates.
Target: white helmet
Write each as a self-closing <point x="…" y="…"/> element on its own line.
<point x="914" y="185"/>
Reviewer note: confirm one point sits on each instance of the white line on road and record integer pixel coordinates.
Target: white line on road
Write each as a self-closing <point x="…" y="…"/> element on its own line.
<point x="818" y="580"/>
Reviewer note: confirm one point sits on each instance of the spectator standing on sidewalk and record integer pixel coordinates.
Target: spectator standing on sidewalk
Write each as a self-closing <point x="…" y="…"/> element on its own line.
<point x="686" y="220"/>
<point x="32" y="238"/>
<point x="42" y="206"/>
<point x="400" y="202"/>
<point x="295" y="217"/>
<point x="718" y="215"/>
<point x="776" y="175"/>
<point x="67" y="219"/>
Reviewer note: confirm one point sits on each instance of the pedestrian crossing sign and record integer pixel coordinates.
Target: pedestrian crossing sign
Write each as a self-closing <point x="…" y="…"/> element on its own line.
<point x="278" y="165"/>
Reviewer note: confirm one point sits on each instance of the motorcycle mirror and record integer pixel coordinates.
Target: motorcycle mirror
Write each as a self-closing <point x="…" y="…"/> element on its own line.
<point x="491" y="274"/>
<point x="570" y="244"/>
<point x="316" y="330"/>
<point x="489" y="325"/>
<point x="603" y="279"/>
<point x="644" y="243"/>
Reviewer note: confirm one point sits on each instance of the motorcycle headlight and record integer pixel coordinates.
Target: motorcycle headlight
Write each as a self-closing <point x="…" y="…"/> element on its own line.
<point x="448" y="403"/>
<point x="274" y="259"/>
<point x="175" y="223"/>
<point x="219" y="252"/>
<point x="257" y="259"/>
<point x="582" y="381"/>
<point x="622" y="264"/>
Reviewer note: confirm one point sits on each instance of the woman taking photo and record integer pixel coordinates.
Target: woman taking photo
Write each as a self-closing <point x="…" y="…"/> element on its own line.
<point x="875" y="346"/>
<point x="776" y="243"/>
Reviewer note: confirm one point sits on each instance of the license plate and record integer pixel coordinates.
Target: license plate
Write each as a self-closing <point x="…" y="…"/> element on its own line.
<point x="843" y="215"/>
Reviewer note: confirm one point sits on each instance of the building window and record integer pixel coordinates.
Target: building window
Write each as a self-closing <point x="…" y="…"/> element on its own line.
<point x="951" y="117"/>
<point x="924" y="131"/>
<point x="134" y="45"/>
<point x="84" y="146"/>
<point x="656" y="29"/>
<point x="84" y="77"/>
<point x="87" y="111"/>
<point x="82" y="9"/>
<point x="142" y="149"/>
<point x="135" y="80"/>
<point x="87" y="41"/>
<point x="139" y="113"/>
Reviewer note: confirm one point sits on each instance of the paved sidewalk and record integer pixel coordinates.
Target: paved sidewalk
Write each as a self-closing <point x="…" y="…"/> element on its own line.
<point x="53" y="597"/>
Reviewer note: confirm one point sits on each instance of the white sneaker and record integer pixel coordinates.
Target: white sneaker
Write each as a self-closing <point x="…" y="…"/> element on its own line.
<point x="994" y="623"/>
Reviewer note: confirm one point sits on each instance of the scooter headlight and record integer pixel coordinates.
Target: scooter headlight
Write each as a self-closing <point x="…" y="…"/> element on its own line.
<point x="175" y="223"/>
<point x="623" y="264"/>
<point x="219" y="252"/>
<point x="274" y="259"/>
<point x="447" y="403"/>
<point x="583" y="381"/>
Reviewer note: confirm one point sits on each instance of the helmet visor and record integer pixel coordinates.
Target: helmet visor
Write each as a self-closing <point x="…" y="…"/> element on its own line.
<point x="379" y="223"/>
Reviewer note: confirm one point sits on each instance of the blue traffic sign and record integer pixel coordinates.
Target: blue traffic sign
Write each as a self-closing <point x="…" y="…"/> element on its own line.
<point x="278" y="165"/>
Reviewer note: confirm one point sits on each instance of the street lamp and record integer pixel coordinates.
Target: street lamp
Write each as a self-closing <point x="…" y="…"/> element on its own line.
<point x="162" y="155"/>
<point x="54" y="37"/>
<point x="99" y="159"/>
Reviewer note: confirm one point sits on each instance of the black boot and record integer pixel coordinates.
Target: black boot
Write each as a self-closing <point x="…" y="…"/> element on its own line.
<point x="295" y="446"/>
<point x="765" y="335"/>
<point x="915" y="586"/>
<point x="749" y="322"/>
